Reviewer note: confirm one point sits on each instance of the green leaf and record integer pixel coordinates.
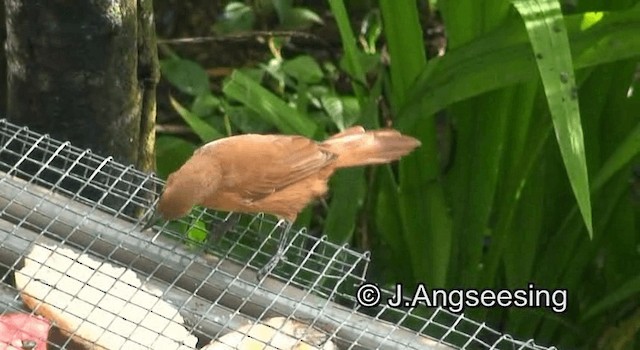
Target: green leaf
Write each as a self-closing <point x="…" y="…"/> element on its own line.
<point x="334" y="108"/>
<point x="348" y="41"/>
<point x="371" y="30"/>
<point x="282" y="7"/>
<point x="188" y="76"/>
<point x="204" y="131"/>
<point x="548" y="34"/>
<point x="294" y="17"/>
<point x="248" y="121"/>
<point x="628" y="290"/>
<point x="205" y="104"/>
<point x="237" y="17"/>
<point x="426" y="222"/>
<point x="624" y="153"/>
<point x="171" y="153"/>
<point x="368" y="100"/>
<point x="300" y="18"/>
<point x="367" y="62"/>
<point x="303" y="69"/>
<point x="343" y="110"/>
<point x="480" y="66"/>
<point x="267" y="106"/>
<point x="274" y="69"/>
<point x="347" y="195"/>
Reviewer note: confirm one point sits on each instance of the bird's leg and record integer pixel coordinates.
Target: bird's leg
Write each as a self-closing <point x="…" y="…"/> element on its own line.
<point x="216" y="231"/>
<point x="282" y="245"/>
<point x="153" y="220"/>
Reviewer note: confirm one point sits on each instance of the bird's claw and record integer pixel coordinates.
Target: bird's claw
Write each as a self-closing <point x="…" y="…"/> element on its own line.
<point x="279" y="255"/>
<point x="268" y="267"/>
<point x="153" y="220"/>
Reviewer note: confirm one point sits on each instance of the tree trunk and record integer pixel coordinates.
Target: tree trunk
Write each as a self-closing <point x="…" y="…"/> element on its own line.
<point x="3" y="66"/>
<point x="85" y="71"/>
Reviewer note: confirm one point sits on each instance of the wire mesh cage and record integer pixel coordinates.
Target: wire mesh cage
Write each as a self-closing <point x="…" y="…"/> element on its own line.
<point x="79" y="272"/>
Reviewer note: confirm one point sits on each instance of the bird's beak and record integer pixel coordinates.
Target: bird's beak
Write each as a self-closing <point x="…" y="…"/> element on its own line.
<point x="154" y="219"/>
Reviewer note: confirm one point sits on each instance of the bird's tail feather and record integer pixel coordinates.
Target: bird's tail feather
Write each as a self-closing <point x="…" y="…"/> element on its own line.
<point x="356" y="147"/>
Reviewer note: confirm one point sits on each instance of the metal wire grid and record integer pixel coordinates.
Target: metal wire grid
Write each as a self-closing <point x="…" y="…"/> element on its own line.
<point x="58" y="196"/>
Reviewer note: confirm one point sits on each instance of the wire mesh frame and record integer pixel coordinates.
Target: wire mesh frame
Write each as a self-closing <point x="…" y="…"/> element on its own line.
<point x="56" y="194"/>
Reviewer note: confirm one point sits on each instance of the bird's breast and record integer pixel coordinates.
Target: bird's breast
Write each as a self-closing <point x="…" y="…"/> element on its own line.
<point x="285" y="202"/>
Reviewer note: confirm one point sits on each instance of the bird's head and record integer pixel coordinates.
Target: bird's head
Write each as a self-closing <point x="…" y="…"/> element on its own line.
<point x="176" y="201"/>
<point x="185" y="188"/>
<point x="179" y="196"/>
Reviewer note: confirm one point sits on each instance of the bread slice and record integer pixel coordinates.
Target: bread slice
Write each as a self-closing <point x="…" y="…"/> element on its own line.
<point x="276" y="333"/>
<point x="100" y="305"/>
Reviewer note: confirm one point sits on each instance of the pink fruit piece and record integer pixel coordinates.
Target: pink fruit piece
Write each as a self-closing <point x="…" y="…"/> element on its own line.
<point x="20" y="331"/>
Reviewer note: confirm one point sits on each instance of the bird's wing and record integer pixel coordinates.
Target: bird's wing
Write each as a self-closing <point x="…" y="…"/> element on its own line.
<point x="263" y="164"/>
<point x="357" y="129"/>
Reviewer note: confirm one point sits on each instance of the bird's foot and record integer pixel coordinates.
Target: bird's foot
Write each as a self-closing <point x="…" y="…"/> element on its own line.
<point x="154" y="219"/>
<point x="270" y="265"/>
<point x="279" y="255"/>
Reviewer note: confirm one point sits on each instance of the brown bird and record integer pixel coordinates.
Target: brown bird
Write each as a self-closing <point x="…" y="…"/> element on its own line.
<point x="274" y="174"/>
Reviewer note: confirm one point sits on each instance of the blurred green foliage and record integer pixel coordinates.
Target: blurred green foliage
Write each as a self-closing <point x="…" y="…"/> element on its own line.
<point x="240" y="16"/>
<point x="526" y="176"/>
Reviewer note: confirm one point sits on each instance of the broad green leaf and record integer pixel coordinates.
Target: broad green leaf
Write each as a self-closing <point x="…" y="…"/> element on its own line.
<point x="334" y="108"/>
<point x="205" y="104"/>
<point x="237" y="17"/>
<point x="386" y="216"/>
<point x="353" y="64"/>
<point x="629" y="290"/>
<point x="204" y="131"/>
<point x="347" y="195"/>
<point x="247" y="120"/>
<point x="531" y="146"/>
<point x="426" y="224"/>
<point x="545" y="25"/>
<point x="304" y="69"/>
<point x="366" y="62"/>
<point x="371" y="30"/>
<point x="480" y="65"/>
<point x="171" y="153"/>
<point x="274" y="69"/>
<point x="628" y="148"/>
<point x="348" y="40"/>
<point x="282" y="7"/>
<point x="188" y="76"/>
<point x="520" y="257"/>
<point x="268" y="106"/>
<point x="294" y="17"/>
<point x="300" y="17"/>
<point x="343" y="110"/>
